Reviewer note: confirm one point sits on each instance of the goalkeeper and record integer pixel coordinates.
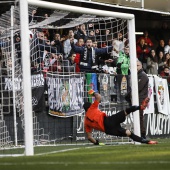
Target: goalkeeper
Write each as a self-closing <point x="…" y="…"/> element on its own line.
<point x="96" y="119"/>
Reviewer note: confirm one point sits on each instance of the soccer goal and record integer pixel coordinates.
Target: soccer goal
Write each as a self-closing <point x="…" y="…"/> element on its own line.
<point x="42" y="96"/>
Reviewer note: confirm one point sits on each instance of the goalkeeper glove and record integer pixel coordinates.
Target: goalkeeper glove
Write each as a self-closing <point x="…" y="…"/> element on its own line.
<point x="97" y="143"/>
<point x="91" y="92"/>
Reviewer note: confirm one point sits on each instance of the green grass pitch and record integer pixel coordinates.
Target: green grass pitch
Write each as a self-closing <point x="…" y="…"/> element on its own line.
<point x="90" y="157"/>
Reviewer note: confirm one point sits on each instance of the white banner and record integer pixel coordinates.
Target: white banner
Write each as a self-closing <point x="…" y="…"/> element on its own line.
<point x="150" y="108"/>
<point x="162" y="95"/>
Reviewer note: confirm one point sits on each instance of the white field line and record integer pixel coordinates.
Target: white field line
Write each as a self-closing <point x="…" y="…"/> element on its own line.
<point x="85" y="163"/>
<point x="45" y="153"/>
<point x="64" y="150"/>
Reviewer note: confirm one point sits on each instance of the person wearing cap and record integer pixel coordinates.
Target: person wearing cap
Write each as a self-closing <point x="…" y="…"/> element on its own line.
<point x="111" y="125"/>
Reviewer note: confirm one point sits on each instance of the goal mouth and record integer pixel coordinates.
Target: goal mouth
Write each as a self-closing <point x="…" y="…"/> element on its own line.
<point x="42" y="94"/>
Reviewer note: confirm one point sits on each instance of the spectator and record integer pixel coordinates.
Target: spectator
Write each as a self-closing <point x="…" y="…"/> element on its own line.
<point x="148" y="41"/>
<point x="67" y="46"/>
<point x="82" y="33"/>
<point x="121" y="41"/>
<point x="122" y="71"/>
<point x="76" y="28"/>
<point x="152" y="64"/>
<point x="161" y="62"/>
<point x="56" y="63"/>
<point x="69" y="65"/>
<point x="40" y="45"/>
<point x="142" y="53"/>
<point x="167" y="59"/>
<point x="92" y="35"/>
<point x="32" y="17"/>
<point x="17" y="41"/>
<point x="143" y="82"/>
<point x="106" y="38"/>
<point x="116" y="50"/>
<point x="160" y="47"/>
<point x="165" y="72"/>
<point x="123" y="62"/>
<point x="57" y="43"/>
<point x="88" y="55"/>
<point x="80" y="43"/>
<point x="167" y="48"/>
<point x="98" y="36"/>
<point x="94" y="44"/>
<point x="105" y="62"/>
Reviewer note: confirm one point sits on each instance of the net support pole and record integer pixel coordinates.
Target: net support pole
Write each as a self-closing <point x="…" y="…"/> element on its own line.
<point x="13" y="75"/>
<point x="142" y="4"/>
<point x="28" y="127"/>
<point x="134" y="79"/>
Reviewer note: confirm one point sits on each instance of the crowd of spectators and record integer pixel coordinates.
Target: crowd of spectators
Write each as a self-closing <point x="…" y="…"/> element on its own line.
<point x="95" y="50"/>
<point x="86" y="48"/>
<point x="154" y="60"/>
<point x="93" y="55"/>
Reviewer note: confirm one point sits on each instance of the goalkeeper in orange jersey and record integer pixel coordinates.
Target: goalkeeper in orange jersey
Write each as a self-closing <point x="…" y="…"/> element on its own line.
<point x="111" y="125"/>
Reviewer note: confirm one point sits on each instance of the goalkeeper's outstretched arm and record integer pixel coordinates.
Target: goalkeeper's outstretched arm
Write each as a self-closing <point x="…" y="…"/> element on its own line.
<point x="95" y="94"/>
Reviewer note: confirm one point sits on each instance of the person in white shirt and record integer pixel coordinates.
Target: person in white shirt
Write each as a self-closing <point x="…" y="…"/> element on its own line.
<point x="67" y="46"/>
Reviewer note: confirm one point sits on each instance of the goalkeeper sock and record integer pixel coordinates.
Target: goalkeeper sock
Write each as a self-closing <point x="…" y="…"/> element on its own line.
<point x="132" y="109"/>
<point x="136" y="138"/>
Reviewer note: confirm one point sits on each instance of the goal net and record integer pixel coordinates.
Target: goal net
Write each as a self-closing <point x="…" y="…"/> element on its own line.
<point x="59" y="89"/>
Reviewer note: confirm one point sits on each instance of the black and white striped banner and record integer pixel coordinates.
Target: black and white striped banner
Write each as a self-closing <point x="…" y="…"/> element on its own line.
<point x="65" y="94"/>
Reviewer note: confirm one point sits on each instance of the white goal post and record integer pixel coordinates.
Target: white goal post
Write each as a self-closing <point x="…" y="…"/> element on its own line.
<point x="26" y="59"/>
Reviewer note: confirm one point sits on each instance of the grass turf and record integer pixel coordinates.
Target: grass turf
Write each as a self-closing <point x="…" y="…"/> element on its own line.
<point x="108" y="157"/>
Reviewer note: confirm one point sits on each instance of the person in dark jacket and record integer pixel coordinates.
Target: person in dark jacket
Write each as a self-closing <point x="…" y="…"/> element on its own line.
<point x="143" y="82"/>
<point x="88" y="55"/>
